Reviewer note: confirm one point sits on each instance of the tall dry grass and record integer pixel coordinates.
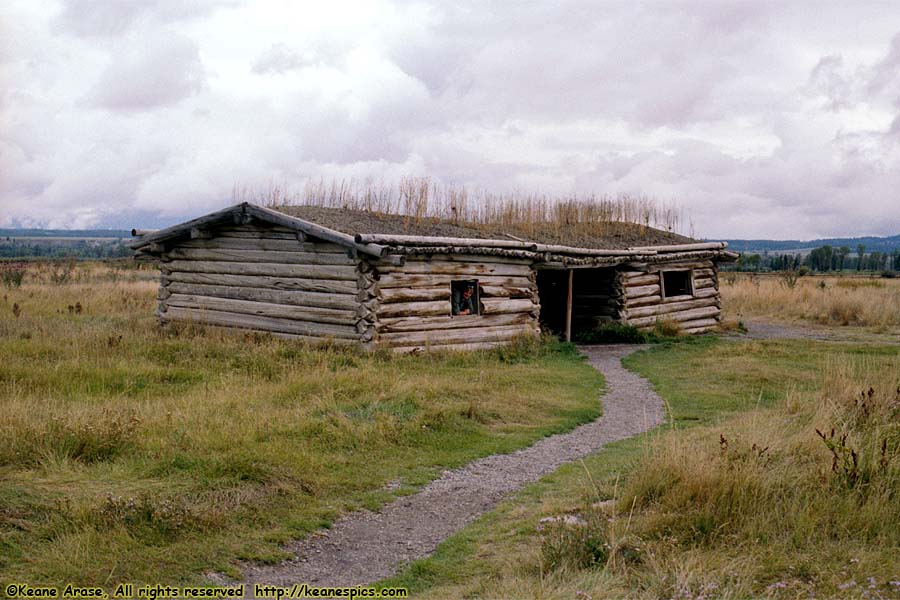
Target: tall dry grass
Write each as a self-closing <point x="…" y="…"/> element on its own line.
<point x="798" y="500"/>
<point x="130" y="452"/>
<point x="857" y="301"/>
<point x="421" y="198"/>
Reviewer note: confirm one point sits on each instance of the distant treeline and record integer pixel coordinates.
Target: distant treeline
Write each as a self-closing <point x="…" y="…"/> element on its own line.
<point x="68" y="233"/>
<point x="823" y="259"/>
<point x="34" y="247"/>
<point x="873" y="244"/>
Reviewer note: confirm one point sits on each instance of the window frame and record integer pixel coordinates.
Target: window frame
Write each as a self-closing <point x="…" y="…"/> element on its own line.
<point x="674" y="298"/>
<point x="474" y="282"/>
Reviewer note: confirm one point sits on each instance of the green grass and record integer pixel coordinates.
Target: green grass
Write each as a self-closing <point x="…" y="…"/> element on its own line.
<point x="764" y="516"/>
<point x="133" y="454"/>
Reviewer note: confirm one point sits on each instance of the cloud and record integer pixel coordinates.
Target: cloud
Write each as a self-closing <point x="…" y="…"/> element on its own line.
<point x="148" y="72"/>
<point x="758" y="122"/>
<point x="109" y="18"/>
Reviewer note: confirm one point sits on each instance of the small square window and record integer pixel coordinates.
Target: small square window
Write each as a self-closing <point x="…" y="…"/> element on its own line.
<point x="464" y="298"/>
<point x="677" y="283"/>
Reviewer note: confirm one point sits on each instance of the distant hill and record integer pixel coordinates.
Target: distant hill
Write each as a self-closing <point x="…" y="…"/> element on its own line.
<point x="872" y="244"/>
<point x="65" y="233"/>
<point x="63" y="243"/>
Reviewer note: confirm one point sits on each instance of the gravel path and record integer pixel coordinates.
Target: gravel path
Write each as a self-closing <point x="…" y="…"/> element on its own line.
<point x="760" y="329"/>
<point x="364" y="547"/>
<point x="768" y="330"/>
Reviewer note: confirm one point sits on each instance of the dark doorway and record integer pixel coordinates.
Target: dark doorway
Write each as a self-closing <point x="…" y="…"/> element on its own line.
<point x="593" y="299"/>
<point x="553" y="289"/>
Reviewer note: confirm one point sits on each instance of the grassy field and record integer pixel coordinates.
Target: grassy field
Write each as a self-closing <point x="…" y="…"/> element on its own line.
<point x="826" y="300"/>
<point x="129" y="453"/>
<point x="740" y="497"/>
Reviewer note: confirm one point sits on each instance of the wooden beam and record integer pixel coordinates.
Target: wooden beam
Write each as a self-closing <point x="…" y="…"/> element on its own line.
<point x="418" y="240"/>
<point x="569" y="307"/>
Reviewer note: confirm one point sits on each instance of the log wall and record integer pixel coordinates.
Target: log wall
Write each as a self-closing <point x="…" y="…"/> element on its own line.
<point x="412" y="302"/>
<point x="641" y="302"/>
<point x="267" y="279"/>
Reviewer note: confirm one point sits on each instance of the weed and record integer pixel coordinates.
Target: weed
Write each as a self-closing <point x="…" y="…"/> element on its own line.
<point x="61" y="272"/>
<point x="12" y="274"/>
<point x="789" y="278"/>
<point x="666" y="328"/>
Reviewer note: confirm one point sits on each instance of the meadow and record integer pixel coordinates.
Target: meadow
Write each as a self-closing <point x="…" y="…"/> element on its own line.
<point x="134" y="453"/>
<point x="776" y="478"/>
<point x="843" y="300"/>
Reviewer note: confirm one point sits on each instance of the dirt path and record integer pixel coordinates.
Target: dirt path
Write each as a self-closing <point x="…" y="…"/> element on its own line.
<point x="364" y="547"/>
<point x="761" y="329"/>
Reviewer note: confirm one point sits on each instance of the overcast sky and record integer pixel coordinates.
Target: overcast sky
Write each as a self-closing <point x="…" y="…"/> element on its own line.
<point x="761" y="120"/>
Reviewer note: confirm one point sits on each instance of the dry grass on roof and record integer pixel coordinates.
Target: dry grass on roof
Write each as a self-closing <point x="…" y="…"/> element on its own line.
<point x="589" y="235"/>
<point x="417" y="206"/>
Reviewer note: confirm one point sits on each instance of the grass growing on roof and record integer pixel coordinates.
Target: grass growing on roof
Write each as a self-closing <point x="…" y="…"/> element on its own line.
<point x="747" y="501"/>
<point x="130" y="453"/>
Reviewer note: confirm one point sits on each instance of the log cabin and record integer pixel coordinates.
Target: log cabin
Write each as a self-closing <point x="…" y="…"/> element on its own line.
<point x="391" y="281"/>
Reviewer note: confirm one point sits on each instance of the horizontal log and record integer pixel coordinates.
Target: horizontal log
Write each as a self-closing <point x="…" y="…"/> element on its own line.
<point x="701" y="264"/>
<point x="336" y="272"/>
<point x="492" y="306"/>
<point x="423" y="294"/>
<point x="443" y="292"/>
<point x="641" y="290"/>
<point x="256" y="226"/>
<point x="327" y="286"/>
<point x="260" y="256"/>
<point x="706" y="292"/>
<point x="266" y="309"/>
<point x="666" y="308"/>
<point x="310" y="299"/>
<point x="685" y="247"/>
<point x="642" y="301"/>
<point x="461" y="269"/>
<point x="313" y="341"/>
<point x="477" y="258"/>
<point x="699" y="273"/>
<point x="394" y="280"/>
<point x="685" y="315"/>
<point x="638" y="279"/>
<point x="699" y="325"/>
<point x="454" y="336"/>
<point x="252" y="234"/>
<point x="499" y="291"/>
<point x="699" y="284"/>
<point x="261" y="323"/>
<point x="285" y="245"/>
<point x="398" y="324"/>
<point x="599" y="252"/>
<point x="678" y="298"/>
<point x="449" y="347"/>
<point x="418" y="240"/>
<point x="467" y="252"/>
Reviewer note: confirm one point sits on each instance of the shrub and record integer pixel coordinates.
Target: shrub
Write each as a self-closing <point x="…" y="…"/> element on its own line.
<point x="614" y="333"/>
<point x="12" y="274"/>
<point x="666" y="328"/>
<point x="574" y="542"/>
<point x="61" y="272"/>
<point x="789" y="278"/>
